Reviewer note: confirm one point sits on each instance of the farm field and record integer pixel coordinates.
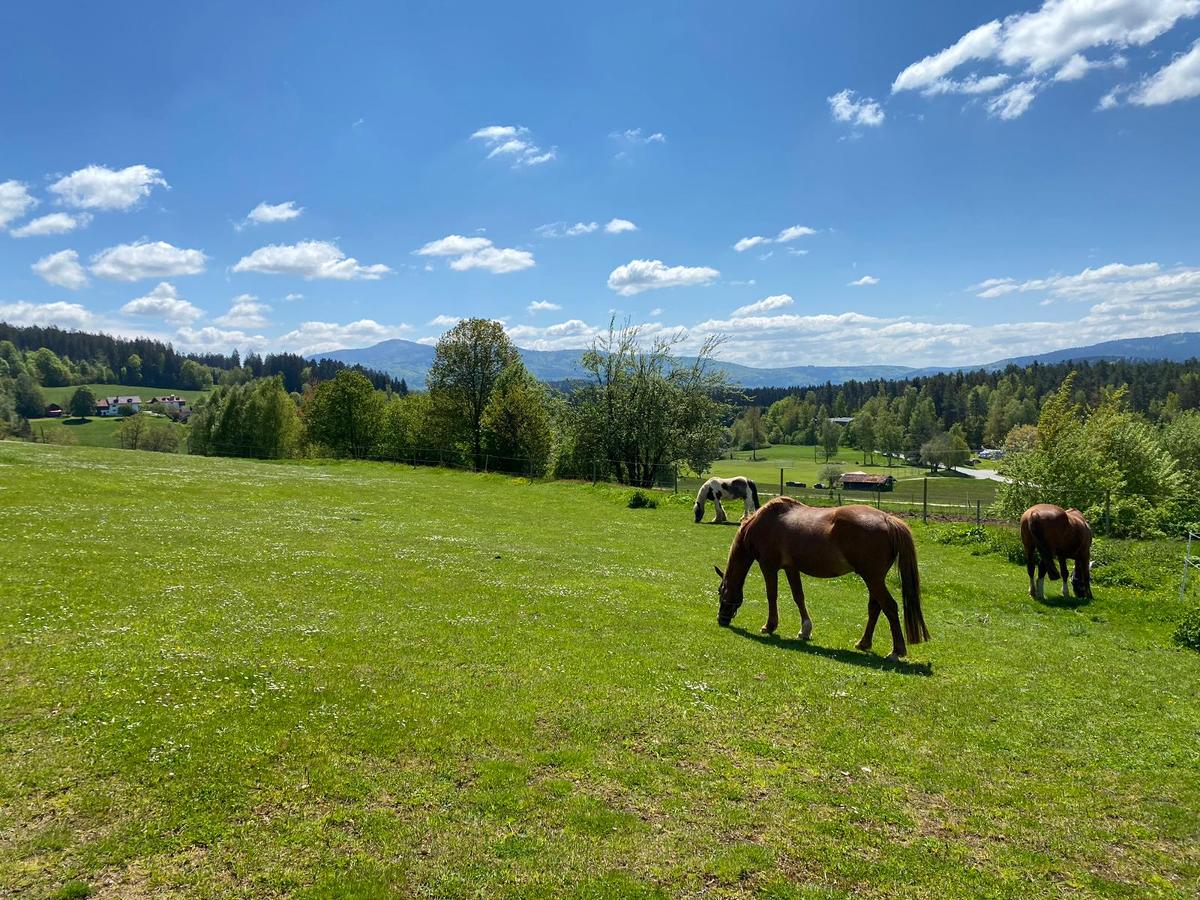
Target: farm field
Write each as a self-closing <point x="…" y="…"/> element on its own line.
<point x="800" y="464"/>
<point x="229" y="678"/>
<point x="61" y="395"/>
<point x="94" y="432"/>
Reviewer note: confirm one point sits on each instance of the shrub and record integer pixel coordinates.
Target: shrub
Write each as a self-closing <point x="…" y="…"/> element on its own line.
<point x="1187" y="632"/>
<point x="642" y="500"/>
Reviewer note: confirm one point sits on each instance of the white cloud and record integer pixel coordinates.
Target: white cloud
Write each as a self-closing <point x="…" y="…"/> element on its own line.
<point x="791" y="233"/>
<point x="541" y="306"/>
<point x="657" y="311"/>
<point x="62" y="269"/>
<point x="1178" y="80"/>
<point x="163" y="303"/>
<point x="477" y="253"/>
<point x="513" y="142"/>
<point x="309" y="260"/>
<point x="15" y="201"/>
<point x="321" y="337"/>
<point x="777" y="301"/>
<point x="98" y="187"/>
<point x="562" y="229"/>
<point x="292" y="297"/>
<point x="865" y="281"/>
<point x="146" y="259"/>
<point x="847" y="106"/>
<point x="1068" y="286"/>
<point x="636" y="136"/>
<point x="53" y="223"/>
<point x="1055" y="38"/>
<point x="218" y="340"/>
<point x="572" y="333"/>
<point x="648" y="274"/>
<point x="245" y="312"/>
<point x="268" y="213"/>
<point x="619" y="226"/>
<point x="747" y="243"/>
<point x="444" y="321"/>
<point x="1013" y="102"/>
<point x="65" y="315"/>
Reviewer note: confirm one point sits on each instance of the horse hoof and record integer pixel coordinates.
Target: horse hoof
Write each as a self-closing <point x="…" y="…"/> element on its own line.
<point x="805" y="630"/>
<point x="893" y="657"/>
<point x="767" y="629"/>
<point x="861" y="646"/>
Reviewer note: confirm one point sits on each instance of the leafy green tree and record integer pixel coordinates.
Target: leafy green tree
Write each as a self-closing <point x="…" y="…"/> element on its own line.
<point x="405" y="432"/>
<point x="49" y="370"/>
<point x="82" y="403"/>
<point x="467" y="362"/>
<point x="945" y="450"/>
<point x="258" y="419"/>
<point x="27" y="397"/>
<point x="643" y="409"/>
<point x="864" y="435"/>
<point x="145" y="432"/>
<point x="516" y="423"/>
<point x="1021" y="438"/>
<point x="922" y="425"/>
<point x="749" y="430"/>
<point x="345" y="415"/>
<point x="195" y="377"/>
<point x="831" y="475"/>
<point x="831" y="438"/>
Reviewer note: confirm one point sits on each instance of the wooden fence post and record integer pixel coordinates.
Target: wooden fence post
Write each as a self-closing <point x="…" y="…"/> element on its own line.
<point x="925" y="499"/>
<point x="781" y="482"/>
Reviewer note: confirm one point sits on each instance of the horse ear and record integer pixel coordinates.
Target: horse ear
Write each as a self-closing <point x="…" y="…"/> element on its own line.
<point x="720" y="574"/>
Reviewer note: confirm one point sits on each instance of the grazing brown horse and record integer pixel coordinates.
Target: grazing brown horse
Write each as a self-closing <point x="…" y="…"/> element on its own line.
<point x="825" y="543"/>
<point x="1057" y="534"/>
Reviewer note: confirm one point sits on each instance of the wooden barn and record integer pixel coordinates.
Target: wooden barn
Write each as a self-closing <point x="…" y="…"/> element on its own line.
<point x="54" y="411"/>
<point x="861" y="481"/>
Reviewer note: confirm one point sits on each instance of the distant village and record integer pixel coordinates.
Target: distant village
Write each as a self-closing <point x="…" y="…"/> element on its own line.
<point x="169" y="405"/>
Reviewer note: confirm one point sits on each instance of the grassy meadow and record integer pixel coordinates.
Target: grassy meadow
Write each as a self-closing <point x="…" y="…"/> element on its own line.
<point x="230" y="678"/>
<point x="800" y="463"/>
<point x="95" y="431"/>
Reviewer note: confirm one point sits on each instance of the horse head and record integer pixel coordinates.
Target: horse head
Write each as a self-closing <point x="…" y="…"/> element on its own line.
<point x="729" y="599"/>
<point x="698" y="509"/>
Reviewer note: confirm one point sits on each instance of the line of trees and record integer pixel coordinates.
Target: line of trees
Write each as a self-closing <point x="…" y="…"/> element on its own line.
<point x="53" y="357"/>
<point x="641" y="412"/>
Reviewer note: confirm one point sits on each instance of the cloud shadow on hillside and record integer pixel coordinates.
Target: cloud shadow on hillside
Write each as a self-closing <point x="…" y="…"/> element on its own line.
<point x="854" y="657"/>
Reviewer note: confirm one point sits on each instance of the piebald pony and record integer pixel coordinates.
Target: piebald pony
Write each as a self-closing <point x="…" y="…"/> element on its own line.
<point x="734" y="488"/>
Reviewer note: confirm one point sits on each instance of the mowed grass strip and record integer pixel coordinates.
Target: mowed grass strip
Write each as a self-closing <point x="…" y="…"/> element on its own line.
<point x="230" y="678"/>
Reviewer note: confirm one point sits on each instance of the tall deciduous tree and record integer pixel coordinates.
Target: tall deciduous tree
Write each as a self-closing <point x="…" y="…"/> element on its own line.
<point x="83" y="403"/>
<point x="467" y="362"/>
<point x="644" y="409"/>
<point x="831" y="438"/>
<point x="516" y="423"/>
<point x="345" y="414"/>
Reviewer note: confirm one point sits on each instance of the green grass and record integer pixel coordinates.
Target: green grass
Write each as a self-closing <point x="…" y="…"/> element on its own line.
<point x="61" y="395"/>
<point x="92" y="432"/>
<point x="228" y="678"/>
<point x="948" y="493"/>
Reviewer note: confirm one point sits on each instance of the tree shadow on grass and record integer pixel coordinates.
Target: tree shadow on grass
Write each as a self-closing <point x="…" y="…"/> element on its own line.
<point x="866" y="659"/>
<point x="75" y="421"/>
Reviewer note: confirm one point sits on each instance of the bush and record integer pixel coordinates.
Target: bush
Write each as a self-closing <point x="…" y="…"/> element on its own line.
<point x="642" y="500"/>
<point x="1187" y="632"/>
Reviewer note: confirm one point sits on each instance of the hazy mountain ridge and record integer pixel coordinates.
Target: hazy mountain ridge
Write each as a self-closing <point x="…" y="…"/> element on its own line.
<point x="410" y="361"/>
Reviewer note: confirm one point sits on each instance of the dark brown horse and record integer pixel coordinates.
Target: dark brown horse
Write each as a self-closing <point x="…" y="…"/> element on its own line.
<point x="1050" y="533"/>
<point x="825" y="543"/>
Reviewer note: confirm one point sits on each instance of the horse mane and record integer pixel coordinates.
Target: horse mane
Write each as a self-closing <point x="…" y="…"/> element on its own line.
<point x="703" y="493"/>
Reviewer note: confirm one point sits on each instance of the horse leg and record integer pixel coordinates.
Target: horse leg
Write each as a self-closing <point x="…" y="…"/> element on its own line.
<point x="720" y="511"/>
<point x="1030" y="565"/>
<point x="1066" y="582"/>
<point x="887" y="604"/>
<point x="1041" y="582"/>
<point x="771" y="577"/>
<point x="873" y="610"/>
<point x="793" y="577"/>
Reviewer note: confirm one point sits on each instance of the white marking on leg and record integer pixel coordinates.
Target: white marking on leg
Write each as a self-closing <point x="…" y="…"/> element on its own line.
<point x="805" y="629"/>
<point x="1041" y="587"/>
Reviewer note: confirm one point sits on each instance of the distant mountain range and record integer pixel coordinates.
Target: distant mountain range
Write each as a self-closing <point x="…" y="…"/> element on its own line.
<point x="410" y="361"/>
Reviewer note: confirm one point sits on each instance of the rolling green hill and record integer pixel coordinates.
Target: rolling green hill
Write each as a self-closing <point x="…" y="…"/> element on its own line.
<point x="229" y="678"/>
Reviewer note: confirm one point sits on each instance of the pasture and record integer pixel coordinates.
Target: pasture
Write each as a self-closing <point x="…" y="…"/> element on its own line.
<point x="62" y="395"/>
<point x="800" y="464"/>
<point x="230" y="678"/>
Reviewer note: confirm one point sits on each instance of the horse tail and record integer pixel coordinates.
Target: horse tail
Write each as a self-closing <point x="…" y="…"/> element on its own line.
<point x="910" y="581"/>
<point x="753" y="492"/>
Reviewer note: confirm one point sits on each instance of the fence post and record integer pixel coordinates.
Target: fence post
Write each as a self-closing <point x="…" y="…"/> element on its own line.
<point x="676" y="478"/>
<point x="593" y="473"/>
<point x="781" y="481"/>
<point x="978" y="513"/>
<point x="925" y="499"/>
<point x="485" y="462"/>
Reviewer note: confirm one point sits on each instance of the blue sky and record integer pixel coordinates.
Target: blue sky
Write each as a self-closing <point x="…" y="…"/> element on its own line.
<point x="929" y="183"/>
